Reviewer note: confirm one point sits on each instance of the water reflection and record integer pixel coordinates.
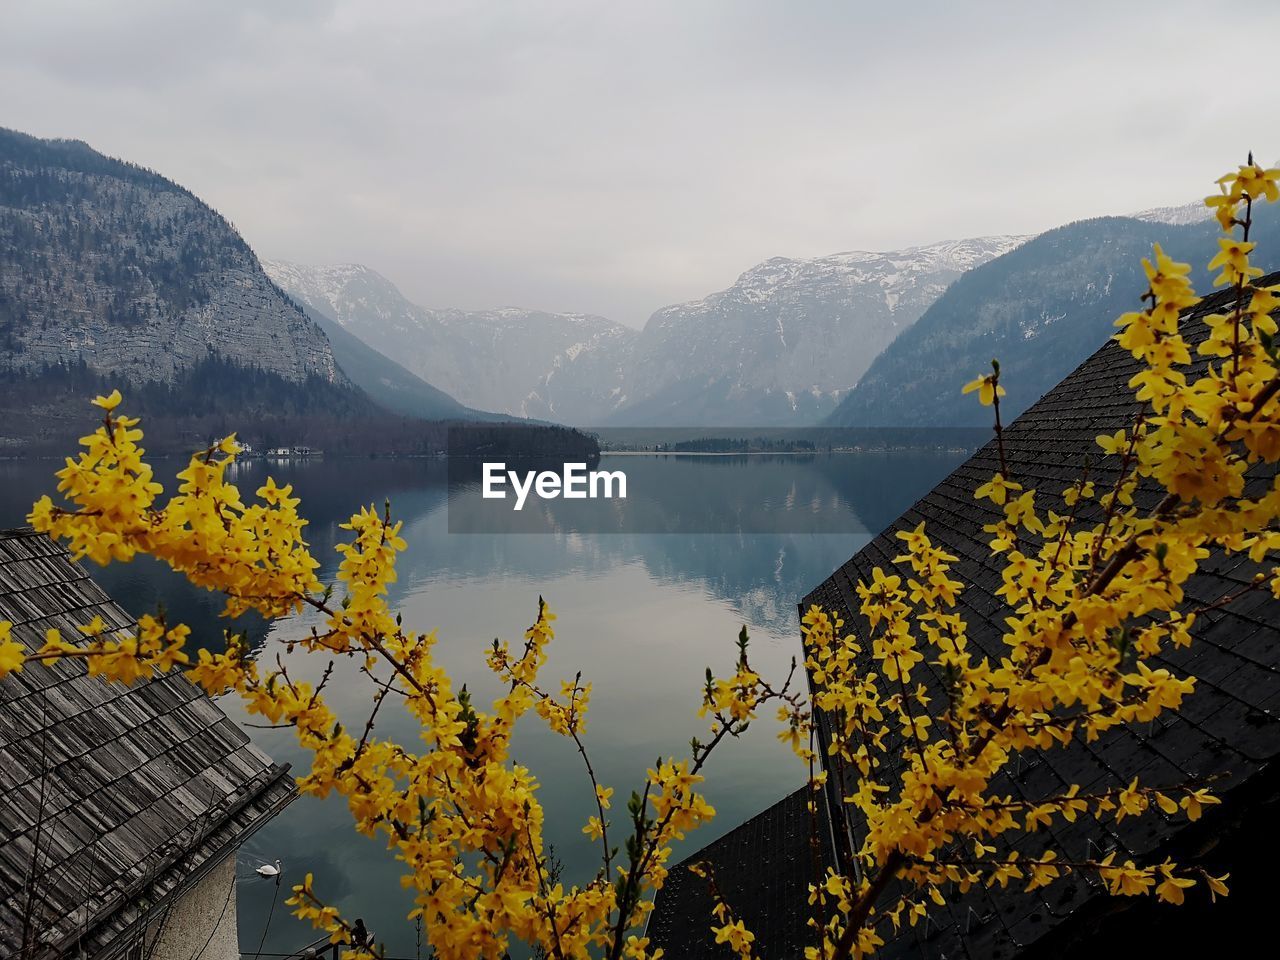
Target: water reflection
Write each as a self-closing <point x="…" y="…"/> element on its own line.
<point x="641" y="615"/>
<point x="689" y="495"/>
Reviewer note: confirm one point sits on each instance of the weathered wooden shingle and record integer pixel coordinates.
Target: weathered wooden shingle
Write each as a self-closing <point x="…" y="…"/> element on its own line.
<point x="112" y="797"/>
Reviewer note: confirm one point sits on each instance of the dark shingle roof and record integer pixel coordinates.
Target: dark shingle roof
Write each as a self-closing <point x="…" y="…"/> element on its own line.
<point x="763" y="870"/>
<point x="145" y="786"/>
<point x="1229" y="729"/>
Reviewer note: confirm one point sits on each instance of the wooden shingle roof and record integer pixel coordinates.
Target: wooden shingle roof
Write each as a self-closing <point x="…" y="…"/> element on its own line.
<point x="1228" y="731"/>
<point x="112" y="797"/>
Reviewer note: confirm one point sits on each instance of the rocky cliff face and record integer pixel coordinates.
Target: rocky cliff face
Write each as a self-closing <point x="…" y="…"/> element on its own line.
<point x="108" y="264"/>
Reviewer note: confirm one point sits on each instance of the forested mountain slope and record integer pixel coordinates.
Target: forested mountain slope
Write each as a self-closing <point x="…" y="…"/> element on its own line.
<point x="1040" y="309"/>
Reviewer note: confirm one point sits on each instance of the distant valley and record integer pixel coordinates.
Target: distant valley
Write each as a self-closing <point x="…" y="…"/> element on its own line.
<point x="523" y="363"/>
<point x="777" y="348"/>
<point x="849" y="340"/>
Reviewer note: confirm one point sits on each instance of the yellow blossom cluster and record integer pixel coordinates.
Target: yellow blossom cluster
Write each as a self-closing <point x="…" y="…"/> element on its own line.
<point x="127" y="655"/>
<point x="728" y="929"/>
<point x="457" y="810"/>
<point x="1093" y="590"/>
<point x="255" y="554"/>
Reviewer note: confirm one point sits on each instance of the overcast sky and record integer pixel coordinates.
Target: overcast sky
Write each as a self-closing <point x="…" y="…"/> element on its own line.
<point x="613" y="157"/>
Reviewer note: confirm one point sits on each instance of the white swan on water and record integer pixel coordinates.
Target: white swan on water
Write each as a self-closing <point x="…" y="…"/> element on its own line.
<point x="269" y="870"/>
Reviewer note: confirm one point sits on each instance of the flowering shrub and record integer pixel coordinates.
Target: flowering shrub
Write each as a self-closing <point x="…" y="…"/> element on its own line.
<point x="1090" y="604"/>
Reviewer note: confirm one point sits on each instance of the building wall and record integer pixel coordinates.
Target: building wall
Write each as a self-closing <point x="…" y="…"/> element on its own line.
<point x="206" y="912"/>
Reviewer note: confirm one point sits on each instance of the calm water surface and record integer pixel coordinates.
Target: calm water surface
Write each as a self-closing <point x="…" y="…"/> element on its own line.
<point x="641" y="615"/>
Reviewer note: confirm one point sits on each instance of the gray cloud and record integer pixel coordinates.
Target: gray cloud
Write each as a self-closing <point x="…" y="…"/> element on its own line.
<point x="612" y="158"/>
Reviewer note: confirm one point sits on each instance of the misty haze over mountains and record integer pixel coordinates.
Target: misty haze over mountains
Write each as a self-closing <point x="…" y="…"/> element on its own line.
<point x="521" y="362"/>
<point x="112" y="271"/>
<point x="778" y="347"/>
<point x="852" y="339"/>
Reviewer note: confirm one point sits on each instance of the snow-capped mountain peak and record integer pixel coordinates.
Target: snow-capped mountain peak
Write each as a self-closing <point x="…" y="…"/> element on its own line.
<point x="1179" y="215"/>
<point x="781" y="345"/>
<point x="790" y="335"/>
<point x="768" y="279"/>
<point x="324" y="285"/>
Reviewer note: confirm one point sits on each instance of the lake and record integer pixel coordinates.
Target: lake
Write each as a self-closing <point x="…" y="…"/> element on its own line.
<point x="641" y="613"/>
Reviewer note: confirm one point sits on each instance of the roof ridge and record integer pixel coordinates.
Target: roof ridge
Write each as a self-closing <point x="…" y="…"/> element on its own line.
<point x="178" y="773"/>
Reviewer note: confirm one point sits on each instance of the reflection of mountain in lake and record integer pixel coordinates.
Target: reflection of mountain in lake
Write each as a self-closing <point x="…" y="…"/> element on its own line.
<point x="682" y="495"/>
<point x="815" y="493"/>
<point x="760" y="573"/>
<point x="749" y="528"/>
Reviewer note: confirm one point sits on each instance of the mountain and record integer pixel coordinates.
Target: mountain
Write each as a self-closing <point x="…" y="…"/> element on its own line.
<point x="776" y="348"/>
<point x="1179" y="215"/>
<point x="782" y="344"/>
<point x="1040" y="309"/>
<point x="386" y="382"/>
<point x="113" y="276"/>
<point x="525" y="363"/>
<point x="109" y="264"/>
